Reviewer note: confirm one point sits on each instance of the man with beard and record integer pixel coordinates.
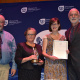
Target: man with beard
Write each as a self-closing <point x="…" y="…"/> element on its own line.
<point x="7" y="51"/>
<point x="73" y="37"/>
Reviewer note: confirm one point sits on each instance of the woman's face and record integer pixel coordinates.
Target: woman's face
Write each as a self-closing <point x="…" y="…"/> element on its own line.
<point x="30" y="36"/>
<point x="55" y="26"/>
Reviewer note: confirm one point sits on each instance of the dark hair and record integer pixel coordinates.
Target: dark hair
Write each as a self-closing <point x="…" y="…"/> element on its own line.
<point x="52" y="20"/>
<point x="30" y="28"/>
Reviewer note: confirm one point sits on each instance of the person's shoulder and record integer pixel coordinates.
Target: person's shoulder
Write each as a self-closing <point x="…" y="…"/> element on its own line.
<point x="8" y="34"/>
<point x="67" y="30"/>
<point x="46" y="36"/>
<point x="63" y="37"/>
<point x="21" y="43"/>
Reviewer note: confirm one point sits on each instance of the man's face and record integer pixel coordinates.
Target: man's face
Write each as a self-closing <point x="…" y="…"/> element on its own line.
<point x="74" y="16"/>
<point x="2" y="21"/>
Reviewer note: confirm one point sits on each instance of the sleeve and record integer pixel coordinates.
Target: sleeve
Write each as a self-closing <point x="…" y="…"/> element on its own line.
<point x="44" y="37"/>
<point x="18" y="55"/>
<point x="14" y="65"/>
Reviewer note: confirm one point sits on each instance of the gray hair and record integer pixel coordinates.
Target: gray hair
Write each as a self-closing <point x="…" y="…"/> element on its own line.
<point x="73" y="9"/>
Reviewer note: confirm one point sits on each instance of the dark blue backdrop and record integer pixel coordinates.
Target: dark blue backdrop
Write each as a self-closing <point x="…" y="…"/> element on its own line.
<point x="20" y="16"/>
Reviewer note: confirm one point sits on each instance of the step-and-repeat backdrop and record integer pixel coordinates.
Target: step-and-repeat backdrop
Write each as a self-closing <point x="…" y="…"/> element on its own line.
<point x="20" y="16"/>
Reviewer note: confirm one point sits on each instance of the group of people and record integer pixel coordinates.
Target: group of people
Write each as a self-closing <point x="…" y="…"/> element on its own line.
<point x="22" y="55"/>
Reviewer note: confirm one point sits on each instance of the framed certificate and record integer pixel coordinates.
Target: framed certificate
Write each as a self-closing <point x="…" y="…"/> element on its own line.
<point x="59" y="49"/>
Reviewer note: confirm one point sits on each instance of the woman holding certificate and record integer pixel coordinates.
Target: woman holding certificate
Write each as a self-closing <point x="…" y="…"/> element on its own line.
<point x="29" y="57"/>
<point x="54" y="69"/>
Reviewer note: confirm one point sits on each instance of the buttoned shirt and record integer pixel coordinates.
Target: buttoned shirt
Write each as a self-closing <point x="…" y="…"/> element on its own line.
<point x="8" y="48"/>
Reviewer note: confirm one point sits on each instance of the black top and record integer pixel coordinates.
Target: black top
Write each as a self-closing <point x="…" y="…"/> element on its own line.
<point x="24" y="50"/>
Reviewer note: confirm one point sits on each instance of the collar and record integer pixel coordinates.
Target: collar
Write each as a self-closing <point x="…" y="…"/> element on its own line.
<point x="1" y="32"/>
<point x="74" y="26"/>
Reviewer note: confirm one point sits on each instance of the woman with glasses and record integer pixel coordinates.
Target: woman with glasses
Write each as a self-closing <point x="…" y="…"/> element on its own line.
<point x="29" y="57"/>
<point x="54" y="69"/>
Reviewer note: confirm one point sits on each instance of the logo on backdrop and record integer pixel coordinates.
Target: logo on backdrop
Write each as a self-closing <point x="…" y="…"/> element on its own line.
<point x="6" y="23"/>
<point x="29" y="9"/>
<point x="24" y="10"/>
<point x="43" y="21"/>
<point x="40" y="35"/>
<point x="12" y="22"/>
<point x="62" y="8"/>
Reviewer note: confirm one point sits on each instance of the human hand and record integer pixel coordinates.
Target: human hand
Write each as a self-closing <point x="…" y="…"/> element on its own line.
<point x="53" y="58"/>
<point x="40" y="62"/>
<point x="33" y="57"/>
<point x="13" y="71"/>
<point x="67" y="51"/>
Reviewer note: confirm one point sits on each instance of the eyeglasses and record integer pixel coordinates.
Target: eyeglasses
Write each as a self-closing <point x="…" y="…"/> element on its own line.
<point x="30" y="34"/>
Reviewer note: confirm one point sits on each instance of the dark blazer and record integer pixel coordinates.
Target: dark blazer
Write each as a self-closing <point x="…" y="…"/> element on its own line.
<point x="74" y="46"/>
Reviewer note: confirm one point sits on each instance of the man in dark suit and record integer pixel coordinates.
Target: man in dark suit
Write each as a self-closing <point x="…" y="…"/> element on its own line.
<point x="73" y="37"/>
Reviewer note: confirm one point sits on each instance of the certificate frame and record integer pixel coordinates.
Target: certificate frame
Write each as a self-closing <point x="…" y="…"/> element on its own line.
<point x="59" y="49"/>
